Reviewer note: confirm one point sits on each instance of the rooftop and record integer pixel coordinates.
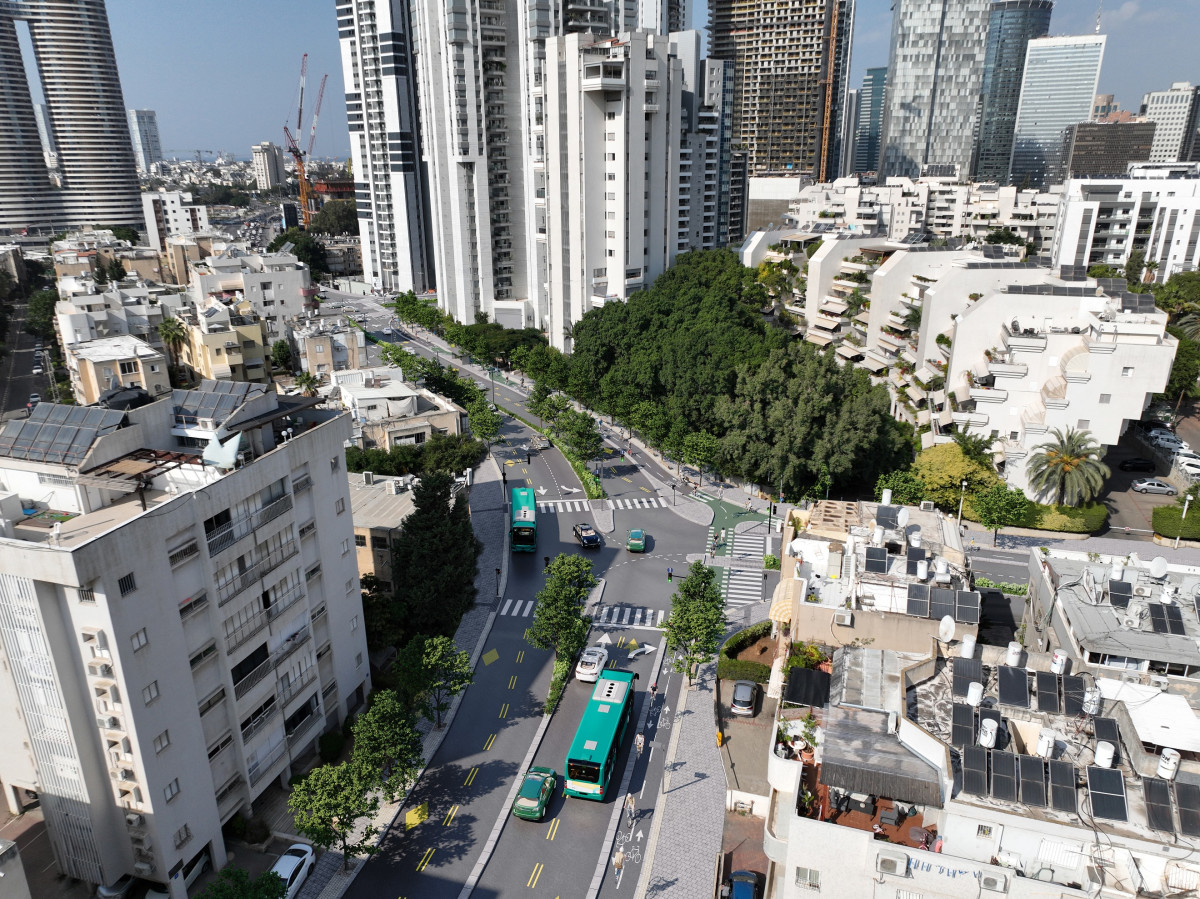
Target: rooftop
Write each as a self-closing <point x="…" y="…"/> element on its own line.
<point x="373" y="506"/>
<point x="106" y="349"/>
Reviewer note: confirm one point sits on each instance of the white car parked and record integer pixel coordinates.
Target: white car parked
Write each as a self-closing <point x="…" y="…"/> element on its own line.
<point x="294" y="866"/>
<point x="1171" y="443"/>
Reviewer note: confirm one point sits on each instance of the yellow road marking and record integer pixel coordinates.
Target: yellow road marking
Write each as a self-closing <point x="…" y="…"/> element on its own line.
<point x="416" y="815"/>
<point x="553" y="831"/>
<point x="425" y="859"/>
<point x="450" y="816"/>
<point x="471" y="777"/>
<point x="529" y="481"/>
<point x="504" y="710"/>
<point x="646" y="489"/>
<point x="509" y="462"/>
<point x="490" y="740"/>
<point x="621" y="641"/>
<point x="520" y="657"/>
<point x="524" y="471"/>
<point x="490" y="656"/>
<point x="612" y="663"/>
<point x="533" y="878"/>
<point x="632" y="644"/>
<point x="512" y="682"/>
<point x="627" y="480"/>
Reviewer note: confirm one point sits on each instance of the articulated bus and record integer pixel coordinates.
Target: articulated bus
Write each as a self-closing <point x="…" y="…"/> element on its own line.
<point x="592" y="759"/>
<point x="524" y="525"/>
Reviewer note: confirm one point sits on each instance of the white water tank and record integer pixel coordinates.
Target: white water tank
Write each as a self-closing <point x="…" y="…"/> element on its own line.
<point x="1118" y="570"/>
<point x="923" y="570"/>
<point x="877" y="537"/>
<point x="1091" y="701"/>
<point x="988" y="731"/>
<point x="914" y="539"/>
<point x="974" y="694"/>
<point x="1168" y="764"/>
<point x="941" y="566"/>
<point x="966" y="649"/>
<point x="1105" y="752"/>
<point x="1045" y="744"/>
<point x="1058" y="662"/>
<point x="887" y="497"/>
<point x="1013" y="656"/>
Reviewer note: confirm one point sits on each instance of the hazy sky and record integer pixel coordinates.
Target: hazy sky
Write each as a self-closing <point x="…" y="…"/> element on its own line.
<point x="223" y="75"/>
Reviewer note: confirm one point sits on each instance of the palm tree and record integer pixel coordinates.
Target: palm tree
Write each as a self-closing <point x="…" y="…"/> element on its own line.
<point x="308" y="383"/>
<point x="1189" y="323"/>
<point x="173" y="335"/>
<point x="1069" y="465"/>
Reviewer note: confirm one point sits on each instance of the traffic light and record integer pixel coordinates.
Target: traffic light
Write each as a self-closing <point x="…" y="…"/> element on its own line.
<point x="670" y="574"/>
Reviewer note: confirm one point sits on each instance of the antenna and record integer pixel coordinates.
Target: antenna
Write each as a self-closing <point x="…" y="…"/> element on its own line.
<point x="1099" y="11"/>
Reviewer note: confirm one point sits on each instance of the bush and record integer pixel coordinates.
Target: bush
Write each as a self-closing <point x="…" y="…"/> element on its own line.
<point x="1169" y="522"/>
<point x="1014" y="589"/>
<point x="330" y="746"/>
<point x="1068" y="519"/>
<point x="770" y="562"/>
<point x="742" y="639"/>
<point x="736" y="669"/>
<point x="558" y="683"/>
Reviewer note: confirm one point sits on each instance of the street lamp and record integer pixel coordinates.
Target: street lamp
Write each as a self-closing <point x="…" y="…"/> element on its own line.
<point x="492" y="375"/>
<point x="962" y="497"/>
<point x="1187" y="501"/>
<point x="497" y="584"/>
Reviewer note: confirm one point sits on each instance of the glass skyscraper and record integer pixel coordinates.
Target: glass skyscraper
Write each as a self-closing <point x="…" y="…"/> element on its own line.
<point x="1012" y="25"/>
<point x="870" y="120"/>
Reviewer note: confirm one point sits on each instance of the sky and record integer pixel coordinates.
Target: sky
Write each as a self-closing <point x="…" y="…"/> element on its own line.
<point x="223" y="75"/>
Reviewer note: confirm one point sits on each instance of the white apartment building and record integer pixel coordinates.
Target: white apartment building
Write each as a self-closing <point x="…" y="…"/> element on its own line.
<point x="99" y="365"/>
<point x="389" y="411"/>
<point x="1176" y="117"/>
<point x="269" y="170"/>
<point x="278" y="285"/>
<point x="137" y="310"/>
<point x="143" y="131"/>
<point x="177" y="628"/>
<point x="1101" y="221"/>
<point x="171" y="213"/>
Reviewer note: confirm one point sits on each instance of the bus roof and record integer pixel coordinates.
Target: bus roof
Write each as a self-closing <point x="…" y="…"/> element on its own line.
<point x="602" y="717"/>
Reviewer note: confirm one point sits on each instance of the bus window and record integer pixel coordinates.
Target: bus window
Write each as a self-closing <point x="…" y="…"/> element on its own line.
<point x="588" y="772"/>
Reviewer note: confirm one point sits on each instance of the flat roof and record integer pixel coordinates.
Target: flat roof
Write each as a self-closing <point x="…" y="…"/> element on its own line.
<point x="371" y="506"/>
<point x="122" y="346"/>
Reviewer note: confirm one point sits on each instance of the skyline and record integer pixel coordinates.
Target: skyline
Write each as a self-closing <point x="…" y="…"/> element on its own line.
<point x="199" y="89"/>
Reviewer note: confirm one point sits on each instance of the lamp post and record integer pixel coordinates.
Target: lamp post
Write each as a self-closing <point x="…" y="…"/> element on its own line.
<point x="492" y="375"/>
<point x="497" y="584"/>
<point x="961" y="497"/>
<point x="1187" y="501"/>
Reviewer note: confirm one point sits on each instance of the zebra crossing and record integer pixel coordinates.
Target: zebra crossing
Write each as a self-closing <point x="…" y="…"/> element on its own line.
<point x="620" y="615"/>
<point x="582" y="505"/>
<point x="743" y="586"/>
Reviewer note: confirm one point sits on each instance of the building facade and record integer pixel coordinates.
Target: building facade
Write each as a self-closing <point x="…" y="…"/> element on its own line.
<point x="276" y="285"/>
<point x="223" y="343"/>
<point x="328" y="344"/>
<point x="1093" y="149"/>
<point x="269" y="171"/>
<point x="1058" y="90"/>
<point x="170" y="213"/>
<point x="935" y="74"/>
<point x="1176" y="115"/>
<point x="791" y="62"/>
<point x="1012" y="24"/>
<point x="143" y="131"/>
<point x="870" y="121"/>
<point x="78" y="69"/>
<point x="125" y="361"/>
<point x="200" y="612"/>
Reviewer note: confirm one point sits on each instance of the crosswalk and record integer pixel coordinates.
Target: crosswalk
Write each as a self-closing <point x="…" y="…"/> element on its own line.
<point x="620" y="615"/>
<point x="582" y="505"/>
<point x="743" y="586"/>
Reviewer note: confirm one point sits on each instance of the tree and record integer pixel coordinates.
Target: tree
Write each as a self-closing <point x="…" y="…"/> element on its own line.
<point x="39" y="314"/>
<point x="1000" y="506"/>
<point x="387" y="745"/>
<point x="1003" y="236"/>
<point x="329" y="806"/>
<point x="100" y="273"/>
<point x="1186" y="367"/>
<point x="944" y="467"/>
<point x="307" y="382"/>
<point x="336" y="217"/>
<point x="485" y="424"/>
<point x="1069" y="466"/>
<point x="116" y="270"/>
<point x="431" y="671"/>
<point x="1135" y="264"/>
<point x="974" y="446"/>
<point x="907" y="489"/>
<point x="558" y="620"/>
<point x="579" y="432"/>
<point x="281" y="355"/>
<point x="700" y="449"/>
<point x="236" y="883"/>
<point x="305" y="247"/>
<point x="697" y="620"/>
<point x="174" y="335"/>
<point x="1101" y="270"/>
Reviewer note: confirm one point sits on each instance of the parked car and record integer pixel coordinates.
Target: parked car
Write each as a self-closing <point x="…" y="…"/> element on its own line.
<point x="590" y="664"/>
<point x="34" y="399"/>
<point x="118" y="890"/>
<point x="745" y="697"/>
<point x="744" y="885"/>
<point x="1170" y="443"/>
<point x="1138" y="464"/>
<point x="586" y="535"/>
<point x="294" y="866"/>
<point x="1189" y="467"/>
<point x="536" y="789"/>
<point x="1153" y="485"/>
<point x="636" y="541"/>
<point x="37" y="370"/>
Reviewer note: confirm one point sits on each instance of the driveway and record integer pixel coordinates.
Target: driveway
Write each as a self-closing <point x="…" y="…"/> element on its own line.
<point x="1129" y="513"/>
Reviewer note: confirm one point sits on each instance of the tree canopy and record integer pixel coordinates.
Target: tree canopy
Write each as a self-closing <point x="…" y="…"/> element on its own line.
<point x="387" y="745"/>
<point x="431" y="671"/>
<point x="697" y="620"/>
<point x="39" y="314"/>
<point x="1068" y="466"/>
<point x="944" y="467"/>
<point x="1000" y="506"/>
<point x="305" y="247"/>
<point x="336" y="217"/>
<point x="334" y="806"/>
<point x="558" y="620"/>
<point x="236" y="883"/>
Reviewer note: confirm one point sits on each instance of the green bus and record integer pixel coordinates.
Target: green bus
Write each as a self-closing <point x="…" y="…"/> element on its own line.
<point x="524" y="524"/>
<point x="592" y="758"/>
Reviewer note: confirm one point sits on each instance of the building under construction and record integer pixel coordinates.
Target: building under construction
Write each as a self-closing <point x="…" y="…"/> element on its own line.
<point x="791" y="59"/>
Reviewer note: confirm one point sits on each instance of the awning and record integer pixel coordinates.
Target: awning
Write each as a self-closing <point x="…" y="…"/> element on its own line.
<point x="849" y="351"/>
<point x="871" y="363"/>
<point x="916" y="392"/>
<point x="923" y="374"/>
<point x="816" y="337"/>
<point x="834" y="306"/>
<point x="781" y="609"/>
<point x="860" y="756"/>
<point x="922" y="416"/>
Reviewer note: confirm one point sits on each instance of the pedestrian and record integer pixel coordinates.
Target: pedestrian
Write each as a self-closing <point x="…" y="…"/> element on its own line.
<point x="653" y="691"/>
<point x="747" y="506"/>
<point x="619" y="860"/>
<point x="629" y="805"/>
<point x="721" y="493"/>
<point x="640" y="743"/>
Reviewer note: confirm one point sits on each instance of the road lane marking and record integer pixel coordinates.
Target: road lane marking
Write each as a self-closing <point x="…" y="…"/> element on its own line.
<point x="425" y="859"/>
<point x="524" y="470"/>
<point x="450" y="815"/>
<point x="528" y="609"/>
<point x="471" y="777"/>
<point x="416" y="815"/>
<point x="623" y="478"/>
<point x="647" y="489"/>
<point x="521" y="654"/>
<point x="533" y="878"/>
<point x="504" y="611"/>
<point x="512" y="682"/>
<point x="504" y="710"/>
<point x="553" y="830"/>
<point x="625" y="617"/>
<point x="490" y="740"/>
<point x="529" y="481"/>
<point x="490" y="656"/>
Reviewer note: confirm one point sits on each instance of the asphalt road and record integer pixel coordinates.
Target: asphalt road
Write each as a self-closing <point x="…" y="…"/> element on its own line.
<point x="17" y="380"/>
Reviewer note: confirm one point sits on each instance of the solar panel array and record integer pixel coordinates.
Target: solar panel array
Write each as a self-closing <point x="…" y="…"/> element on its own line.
<point x="213" y="399"/>
<point x="918" y="600"/>
<point x="1014" y="686"/>
<point x="1137" y="302"/>
<point x="962" y="727"/>
<point x="1013" y="777"/>
<point x="916" y="555"/>
<point x="1062" y="787"/>
<point x="1187" y="798"/>
<point x="1073" y="690"/>
<point x="1072" y="272"/>
<point x="1033" y="781"/>
<point x="975" y="770"/>
<point x="1106" y="786"/>
<point x="1004" y="776"/>
<point x="55" y="433"/>
<point x="877" y="560"/>
<point x="937" y="602"/>
<point x="1052" y="290"/>
<point x="1157" y="793"/>
<point x="1047" y="692"/>
<point x="966" y="607"/>
<point x="966" y="672"/>
<point x="1119" y="593"/>
<point x="1158" y="618"/>
<point x="941" y="602"/>
<point x="1107" y="730"/>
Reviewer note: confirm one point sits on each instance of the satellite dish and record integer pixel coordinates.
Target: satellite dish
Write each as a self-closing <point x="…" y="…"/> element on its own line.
<point x="902" y="517"/>
<point x="946" y="629"/>
<point x="1158" y="567"/>
<point x="1089" y="584"/>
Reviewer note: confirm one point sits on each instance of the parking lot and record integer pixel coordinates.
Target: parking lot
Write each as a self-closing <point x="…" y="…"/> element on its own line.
<point x="1128" y="509"/>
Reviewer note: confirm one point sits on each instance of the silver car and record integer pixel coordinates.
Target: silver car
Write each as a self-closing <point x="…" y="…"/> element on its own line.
<point x="745" y="695"/>
<point x="1154" y="485"/>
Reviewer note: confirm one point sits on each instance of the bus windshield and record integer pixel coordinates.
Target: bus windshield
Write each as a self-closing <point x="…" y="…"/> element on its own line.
<point x="588" y="772"/>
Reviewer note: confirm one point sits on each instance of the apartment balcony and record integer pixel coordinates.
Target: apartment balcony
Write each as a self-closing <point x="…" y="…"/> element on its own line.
<point x="284" y="602"/>
<point x="1102" y="343"/>
<point x="257" y="571"/>
<point x="649" y="107"/>
<point x="261" y="768"/>
<point x="988" y="395"/>
<point x="259" y="722"/>
<point x="1033" y="417"/>
<point x="294" y="642"/>
<point x="247" y="683"/>
<point x="1030" y="342"/>
<point x="227" y="535"/>
<point x="1007" y="369"/>
<point x="245" y="631"/>
<point x="296" y="735"/>
<point x="292" y="688"/>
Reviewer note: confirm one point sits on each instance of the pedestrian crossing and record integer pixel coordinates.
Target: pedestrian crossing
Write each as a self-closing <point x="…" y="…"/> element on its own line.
<point x="743" y="586"/>
<point x="620" y="615"/>
<point x="582" y="505"/>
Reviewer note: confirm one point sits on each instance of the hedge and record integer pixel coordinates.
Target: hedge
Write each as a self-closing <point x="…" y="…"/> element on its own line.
<point x="1002" y="586"/>
<point x="1065" y="519"/>
<point x="558" y="683"/>
<point x="1169" y="522"/>
<point x="742" y="639"/>
<point x="736" y="669"/>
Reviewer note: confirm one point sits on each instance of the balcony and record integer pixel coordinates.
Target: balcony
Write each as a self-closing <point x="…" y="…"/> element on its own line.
<point x="295" y="736"/>
<point x="242" y="687"/>
<point x="229" y="534"/>
<point x="259" y="769"/>
<point x="1054" y="393"/>
<point x="1027" y="340"/>
<point x="988" y="395"/>
<point x="1007" y="369"/>
<point x="260" y="721"/>
<point x="292" y="688"/>
<point x="256" y="572"/>
<point x="245" y="630"/>
<point x="291" y="644"/>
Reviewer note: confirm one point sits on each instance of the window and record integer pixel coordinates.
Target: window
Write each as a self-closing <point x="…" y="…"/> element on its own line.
<point x="55" y="480"/>
<point x="171" y="790"/>
<point x="220" y="746"/>
<point x="182" y="836"/>
<point x="349" y="586"/>
<point x="190" y="607"/>
<point x="204" y="654"/>
<point x="139" y="639"/>
<point x="358" y="660"/>
<point x="150" y="692"/>
<point x="354" y="623"/>
<point x="1084" y="424"/>
<point x="379" y="543"/>
<point x="1105" y="399"/>
<point x="610" y="157"/>
<point x="214" y="699"/>
<point x="128" y="368"/>
<point x="360" y="540"/>
<point x="335" y="463"/>
<point x="162" y="741"/>
<point x="345" y="546"/>
<point x="183" y="553"/>
<point x="312" y="572"/>
<point x="153" y="368"/>
<point x="127" y="584"/>
<point x="984" y="831"/>
<point x="1127" y="371"/>
<point x="340" y="505"/>
<point x="808" y="879"/>
<point x="87" y="594"/>
<point x="320" y="348"/>
<point x="610" y="176"/>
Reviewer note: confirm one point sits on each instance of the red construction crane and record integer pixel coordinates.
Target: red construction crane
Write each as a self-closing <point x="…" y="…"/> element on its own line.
<point x="306" y="192"/>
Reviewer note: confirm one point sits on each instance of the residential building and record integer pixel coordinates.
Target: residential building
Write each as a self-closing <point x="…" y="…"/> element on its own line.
<point x="74" y="57"/>
<point x="850" y="129"/>
<point x="343" y="255"/>
<point x="870" y="121"/>
<point x="934" y="79"/>
<point x="133" y="309"/>
<point x="184" y="250"/>
<point x="1094" y="149"/>
<point x="143" y="131"/>
<point x="1155" y="211"/>
<point x="1058" y="89"/>
<point x="269" y="171"/>
<point x="119" y="361"/>
<point x="327" y="344"/>
<point x="380" y="72"/>
<point x="1176" y="115"/>
<point x="83" y="252"/>
<point x="46" y="136"/>
<point x="1105" y="105"/>
<point x="172" y="569"/>
<point x="170" y="213"/>
<point x="379" y="506"/>
<point x="277" y="285"/>
<point x="389" y="412"/>
<point x="1012" y="25"/>
<point x="224" y="343"/>
<point x="791" y="61"/>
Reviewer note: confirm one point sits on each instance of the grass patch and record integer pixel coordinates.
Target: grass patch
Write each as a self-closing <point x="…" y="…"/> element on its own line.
<point x="1065" y="519"/>
<point x="737" y="669"/>
<point x="1169" y="522"/>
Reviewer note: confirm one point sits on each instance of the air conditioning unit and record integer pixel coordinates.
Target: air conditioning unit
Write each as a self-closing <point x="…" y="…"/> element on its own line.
<point x="892" y="863"/>
<point x="104" y="670"/>
<point x="143" y="869"/>
<point x="134" y="820"/>
<point x="844" y="617"/>
<point x="927" y="505"/>
<point x="392" y="487"/>
<point x="995" y="883"/>
<point x="1141" y="590"/>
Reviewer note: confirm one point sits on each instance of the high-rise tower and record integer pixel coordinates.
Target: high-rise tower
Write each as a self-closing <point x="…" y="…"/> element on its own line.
<point x="1012" y="25"/>
<point x="870" y="120"/>
<point x="143" y="131"/>
<point x="74" y="51"/>
<point x="1176" y="116"/>
<point x="935" y="70"/>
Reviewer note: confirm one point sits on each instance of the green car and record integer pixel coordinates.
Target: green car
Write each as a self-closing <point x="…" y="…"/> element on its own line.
<point x="536" y="789"/>
<point x="636" y="541"/>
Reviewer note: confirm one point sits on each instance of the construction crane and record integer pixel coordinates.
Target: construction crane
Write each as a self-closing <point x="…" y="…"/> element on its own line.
<point x="306" y="194"/>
